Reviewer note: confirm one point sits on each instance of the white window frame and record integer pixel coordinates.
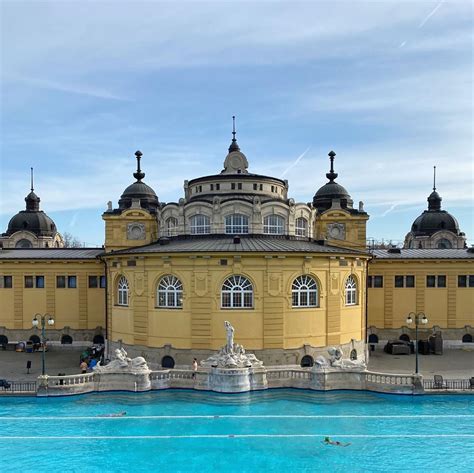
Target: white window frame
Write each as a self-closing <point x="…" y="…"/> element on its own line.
<point x="169" y="293"/>
<point x="350" y="289"/>
<point x="237" y="293"/>
<point x="236" y="224"/>
<point x="301" y="230"/>
<point x="304" y="292"/>
<point x="273" y="225"/>
<point x="122" y="291"/>
<point x="200" y="224"/>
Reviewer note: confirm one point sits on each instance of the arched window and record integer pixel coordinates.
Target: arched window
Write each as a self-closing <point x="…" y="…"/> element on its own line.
<point x="353" y="354"/>
<point x="24" y="243"/>
<point x="304" y="292"/>
<point x="200" y="225"/>
<point x="167" y="362"/>
<point x="307" y="361"/>
<point x="122" y="291"/>
<point x="236" y="224"/>
<point x="237" y="293"/>
<point x="66" y="340"/>
<point x="444" y="244"/>
<point x="273" y="225"/>
<point x="351" y="291"/>
<point x="171" y="226"/>
<point x="301" y="227"/>
<point x="170" y="292"/>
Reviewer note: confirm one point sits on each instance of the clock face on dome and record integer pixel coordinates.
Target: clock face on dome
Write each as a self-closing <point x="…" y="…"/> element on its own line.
<point x="336" y="231"/>
<point x="236" y="162"/>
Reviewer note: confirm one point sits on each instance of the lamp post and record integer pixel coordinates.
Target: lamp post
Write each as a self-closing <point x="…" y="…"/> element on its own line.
<point x="419" y="318"/>
<point x="45" y="319"/>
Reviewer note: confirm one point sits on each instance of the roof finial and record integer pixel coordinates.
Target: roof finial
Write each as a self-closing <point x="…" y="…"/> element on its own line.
<point x="233" y="146"/>
<point x="331" y="175"/>
<point x="434" y="178"/>
<point x="139" y="175"/>
<point x="32" y="187"/>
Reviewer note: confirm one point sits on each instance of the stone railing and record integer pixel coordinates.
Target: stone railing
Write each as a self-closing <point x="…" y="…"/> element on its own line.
<point x="393" y="383"/>
<point x="63" y="385"/>
<point x="289" y="378"/>
<point x="172" y="378"/>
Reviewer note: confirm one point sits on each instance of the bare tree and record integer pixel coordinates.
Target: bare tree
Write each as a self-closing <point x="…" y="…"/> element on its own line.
<point x="70" y="241"/>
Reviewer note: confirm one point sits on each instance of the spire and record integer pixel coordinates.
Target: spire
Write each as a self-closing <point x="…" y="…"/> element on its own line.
<point x="139" y="175"/>
<point x="233" y="146"/>
<point x="32" y="200"/>
<point x="434" y="199"/>
<point x="331" y="175"/>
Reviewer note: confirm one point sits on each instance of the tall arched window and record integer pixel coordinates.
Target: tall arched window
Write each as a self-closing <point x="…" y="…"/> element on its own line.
<point x="301" y="227"/>
<point x="170" y="292"/>
<point x="236" y="224"/>
<point x="273" y="225"/>
<point x="304" y="292"/>
<point x="24" y="243"/>
<point x="444" y="244"/>
<point x="351" y="291"/>
<point x="171" y="226"/>
<point x="237" y="293"/>
<point x="200" y="225"/>
<point x="122" y="291"/>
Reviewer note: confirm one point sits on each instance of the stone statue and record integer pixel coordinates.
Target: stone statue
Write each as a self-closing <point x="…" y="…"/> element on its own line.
<point x="123" y="363"/>
<point x="230" y="337"/>
<point x="337" y="362"/>
<point x="231" y="355"/>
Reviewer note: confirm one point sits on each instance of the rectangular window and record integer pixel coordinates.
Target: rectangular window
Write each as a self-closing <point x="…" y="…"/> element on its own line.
<point x="218" y="187"/>
<point x="131" y="262"/>
<point x="239" y="186"/>
<point x="378" y="281"/>
<point x="399" y="281"/>
<point x="273" y="188"/>
<point x="40" y="282"/>
<point x="92" y="281"/>
<point x="261" y="187"/>
<point x="430" y="281"/>
<point x="29" y="282"/>
<point x="410" y="281"/>
<point x="471" y="280"/>
<point x="60" y="282"/>
<point x="255" y="187"/>
<point x="232" y="186"/>
<point x="212" y="187"/>
<point x="6" y="282"/>
<point x="441" y="281"/>
<point x="71" y="282"/>
<point x="103" y="282"/>
<point x="462" y="281"/>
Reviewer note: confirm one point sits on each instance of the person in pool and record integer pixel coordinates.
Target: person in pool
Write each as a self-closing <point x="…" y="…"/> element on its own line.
<point x="114" y="414"/>
<point x="328" y="441"/>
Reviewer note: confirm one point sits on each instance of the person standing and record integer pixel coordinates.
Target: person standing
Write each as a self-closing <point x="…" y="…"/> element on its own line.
<point x="195" y="366"/>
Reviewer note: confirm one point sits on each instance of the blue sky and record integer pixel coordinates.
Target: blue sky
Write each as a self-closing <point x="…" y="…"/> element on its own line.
<point x="387" y="85"/>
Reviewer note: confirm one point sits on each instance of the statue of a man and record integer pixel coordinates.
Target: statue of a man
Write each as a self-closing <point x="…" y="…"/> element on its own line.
<point x="230" y="337"/>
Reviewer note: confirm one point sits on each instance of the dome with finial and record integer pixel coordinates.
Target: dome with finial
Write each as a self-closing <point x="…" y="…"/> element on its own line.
<point x="324" y="197"/>
<point x="32" y="219"/>
<point x="139" y="191"/>
<point x="434" y="219"/>
<point x="236" y="161"/>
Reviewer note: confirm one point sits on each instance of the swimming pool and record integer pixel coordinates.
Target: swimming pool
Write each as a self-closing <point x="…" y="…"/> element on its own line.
<point x="275" y="430"/>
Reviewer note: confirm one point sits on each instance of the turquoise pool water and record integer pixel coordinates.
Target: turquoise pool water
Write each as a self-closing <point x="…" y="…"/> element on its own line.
<point x="277" y="430"/>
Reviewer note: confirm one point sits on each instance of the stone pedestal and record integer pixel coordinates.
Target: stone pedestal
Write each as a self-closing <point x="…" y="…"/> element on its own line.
<point x="232" y="380"/>
<point x="123" y="381"/>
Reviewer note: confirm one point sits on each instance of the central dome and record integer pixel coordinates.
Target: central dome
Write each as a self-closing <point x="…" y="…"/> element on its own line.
<point x="36" y="222"/>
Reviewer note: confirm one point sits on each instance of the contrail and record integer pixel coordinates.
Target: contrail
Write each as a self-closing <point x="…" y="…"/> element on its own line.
<point x="298" y="159"/>
<point x="430" y="15"/>
<point x="392" y="207"/>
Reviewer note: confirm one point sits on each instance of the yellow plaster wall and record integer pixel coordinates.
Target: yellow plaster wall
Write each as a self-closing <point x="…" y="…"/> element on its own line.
<point x="272" y="323"/>
<point x="69" y="308"/>
<point x="449" y="307"/>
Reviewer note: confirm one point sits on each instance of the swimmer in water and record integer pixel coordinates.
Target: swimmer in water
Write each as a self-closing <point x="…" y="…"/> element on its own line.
<point x="328" y="441"/>
<point x="114" y="414"/>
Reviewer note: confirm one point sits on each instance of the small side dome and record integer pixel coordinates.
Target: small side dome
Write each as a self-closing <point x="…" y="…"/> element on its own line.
<point x="323" y="198"/>
<point x="139" y="190"/>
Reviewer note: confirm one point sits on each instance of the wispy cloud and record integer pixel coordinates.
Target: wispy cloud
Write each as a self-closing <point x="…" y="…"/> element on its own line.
<point x="73" y="88"/>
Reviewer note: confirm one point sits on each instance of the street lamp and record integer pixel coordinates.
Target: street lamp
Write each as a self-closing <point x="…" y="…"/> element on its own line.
<point x="420" y="318"/>
<point x="45" y="319"/>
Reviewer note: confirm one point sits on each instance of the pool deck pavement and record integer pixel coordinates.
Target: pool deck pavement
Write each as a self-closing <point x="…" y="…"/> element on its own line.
<point x="453" y="364"/>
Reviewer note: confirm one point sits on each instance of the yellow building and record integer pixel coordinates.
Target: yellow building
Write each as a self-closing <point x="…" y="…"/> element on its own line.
<point x="291" y="277"/>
